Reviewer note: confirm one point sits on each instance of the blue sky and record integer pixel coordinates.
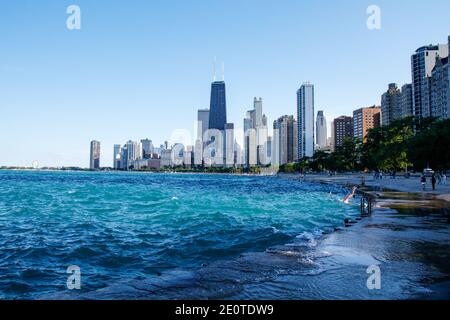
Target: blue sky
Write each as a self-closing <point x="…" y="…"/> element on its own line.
<point x="140" y="69"/>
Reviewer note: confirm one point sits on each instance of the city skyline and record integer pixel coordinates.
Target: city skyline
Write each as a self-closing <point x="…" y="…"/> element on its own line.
<point x="86" y="90"/>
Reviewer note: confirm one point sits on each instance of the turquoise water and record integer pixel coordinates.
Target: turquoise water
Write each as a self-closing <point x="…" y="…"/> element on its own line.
<point x="134" y="226"/>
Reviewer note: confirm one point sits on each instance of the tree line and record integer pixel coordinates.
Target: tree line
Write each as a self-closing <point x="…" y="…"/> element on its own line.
<point x="404" y="144"/>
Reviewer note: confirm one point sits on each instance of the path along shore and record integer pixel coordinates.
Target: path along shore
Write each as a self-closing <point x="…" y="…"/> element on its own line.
<point x="400" y="183"/>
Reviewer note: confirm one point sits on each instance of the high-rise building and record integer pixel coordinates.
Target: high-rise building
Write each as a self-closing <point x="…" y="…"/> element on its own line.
<point x="305" y="120"/>
<point x="229" y="159"/>
<point x="321" y="130"/>
<point x="440" y="89"/>
<point x="285" y="140"/>
<point x="257" y="106"/>
<point x="255" y="136"/>
<point x="147" y="148"/>
<point x="218" y="106"/>
<point x="406" y="101"/>
<point x="131" y="152"/>
<point x="391" y="105"/>
<point x="422" y="64"/>
<point x="203" y="123"/>
<point x="343" y="128"/>
<point x="95" y="155"/>
<point x="365" y="119"/>
<point x="116" y="157"/>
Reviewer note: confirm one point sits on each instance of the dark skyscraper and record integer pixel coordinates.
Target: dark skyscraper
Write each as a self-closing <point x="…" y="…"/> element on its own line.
<point x="218" y="106"/>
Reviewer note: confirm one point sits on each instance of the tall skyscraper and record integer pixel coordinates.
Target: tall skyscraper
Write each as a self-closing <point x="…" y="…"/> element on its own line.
<point x="218" y="106"/>
<point x="95" y="155"/>
<point x="257" y="106"/>
<point x="391" y="105"/>
<point x="440" y="88"/>
<point x="202" y="122"/>
<point x="406" y="101"/>
<point x="321" y="130"/>
<point x="255" y="136"/>
<point x="284" y="143"/>
<point x="116" y="157"/>
<point x="365" y="119"/>
<point x="229" y="159"/>
<point x="343" y="128"/>
<point x="147" y="148"/>
<point x="305" y="120"/>
<point x="422" y="64"/>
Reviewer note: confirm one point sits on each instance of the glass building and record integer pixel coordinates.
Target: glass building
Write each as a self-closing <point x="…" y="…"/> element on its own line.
<point x="218" y="106"/>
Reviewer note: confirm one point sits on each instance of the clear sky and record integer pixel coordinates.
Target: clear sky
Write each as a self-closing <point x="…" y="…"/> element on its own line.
<point x="141" y="69"/>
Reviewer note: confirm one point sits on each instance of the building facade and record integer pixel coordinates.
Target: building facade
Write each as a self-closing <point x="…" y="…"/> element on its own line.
<point x="285" y="140"/>
<point x="255" y="136"/>
<point x="94" y="163"/>
<point x="147" y="148"/>
<point x="321" y="130"/>
<point x="406" y="101"/>
<point x="422" y="63"/>
<point x="365" y="119"/>
<point x="391" y="105"/>
<point x="116" y="156"/>
<point x="305" y="121"/>
<point x="202" y="123"/>
<point x="218" y="106"/>
<point x="440" y="97"/>
<point x="343" y="128"/>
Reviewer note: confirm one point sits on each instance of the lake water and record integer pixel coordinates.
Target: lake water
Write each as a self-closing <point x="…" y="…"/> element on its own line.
<point x="132" y="227"/>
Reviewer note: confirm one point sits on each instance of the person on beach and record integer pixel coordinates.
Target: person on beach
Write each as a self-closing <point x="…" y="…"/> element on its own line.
<point x="350" y="196"/>
<point x="433" y="182"/>
<point x="423" y="181"/>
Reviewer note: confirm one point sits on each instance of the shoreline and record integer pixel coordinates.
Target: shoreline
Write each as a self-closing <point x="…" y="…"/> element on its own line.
<point x="412" y="249"/>
<point x="385" y="186"/>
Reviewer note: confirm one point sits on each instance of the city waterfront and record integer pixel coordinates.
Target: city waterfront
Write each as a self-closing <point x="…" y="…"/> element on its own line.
<point x="172" y="236"/>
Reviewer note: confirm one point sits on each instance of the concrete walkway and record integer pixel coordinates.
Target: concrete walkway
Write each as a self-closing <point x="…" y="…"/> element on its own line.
<point x="402" y="184"/>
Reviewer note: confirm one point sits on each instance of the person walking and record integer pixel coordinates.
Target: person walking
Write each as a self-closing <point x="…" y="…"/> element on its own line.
<point x="423" y="181"/>
<point x="433" y="182"/>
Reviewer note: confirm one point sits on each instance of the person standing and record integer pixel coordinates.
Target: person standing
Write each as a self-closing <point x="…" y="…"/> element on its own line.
<point x="423" y="181"/>
<point x="433" y="181"/>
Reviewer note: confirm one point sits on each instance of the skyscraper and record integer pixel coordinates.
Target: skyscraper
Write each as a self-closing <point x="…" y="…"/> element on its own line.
<point x="407" y="101"/>
<point x="285" y="143"/>
<point x="218" y="106"/>
<point x="440" y="88"/>
<point x="343" y="128"/>
<point x="229" y="159"/>
<point x="95" y="155"/>
<point x="422" y="64"/>
<point x="305" y="120"/>
<point x="321" y="130"/>
<point x="147" y="148"/>
<point x="255" y="136"/>
<point x="391" y="105"/>
<point x="202" y="122"/>
<point x="365" y="119"/>
<point x="116" y="156"/>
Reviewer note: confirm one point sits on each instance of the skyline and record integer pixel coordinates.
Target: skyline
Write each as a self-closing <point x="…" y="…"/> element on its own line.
<point x="80" y="91"/>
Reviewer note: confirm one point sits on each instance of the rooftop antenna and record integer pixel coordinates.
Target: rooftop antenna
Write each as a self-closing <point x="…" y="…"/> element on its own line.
<point x="223" y="71"/>
<point x="214" y="69"/>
